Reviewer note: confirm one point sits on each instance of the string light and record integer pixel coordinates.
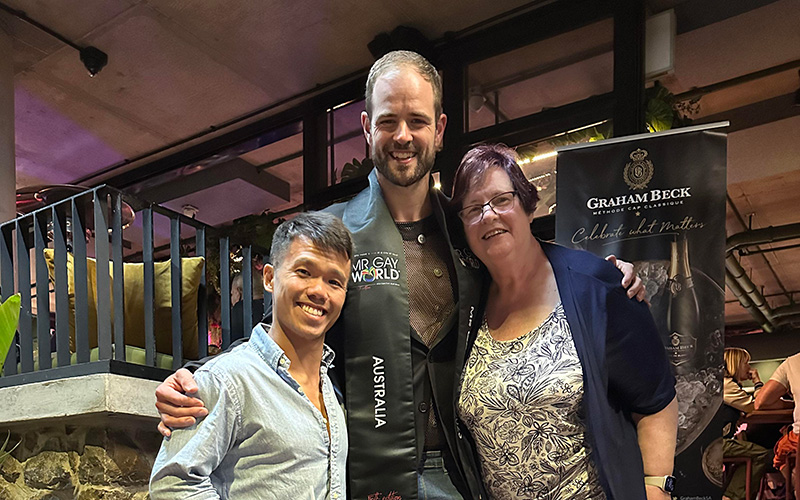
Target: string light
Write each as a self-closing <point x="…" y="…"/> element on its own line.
<point x="544" y="156"/>
<point x="531" y="159"/>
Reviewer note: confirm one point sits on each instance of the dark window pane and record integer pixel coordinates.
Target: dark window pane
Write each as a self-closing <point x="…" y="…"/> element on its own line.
<point x="547" y="74"/>
<point x="346" y="142"/>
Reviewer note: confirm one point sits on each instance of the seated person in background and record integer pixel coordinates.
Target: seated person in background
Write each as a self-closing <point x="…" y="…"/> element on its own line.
<point x="237" y="290"/>
<point x="738" y="401"/>
<point x="785" y="379"/>
<point x="261" y="437"/>
<point x="257" y="310"/>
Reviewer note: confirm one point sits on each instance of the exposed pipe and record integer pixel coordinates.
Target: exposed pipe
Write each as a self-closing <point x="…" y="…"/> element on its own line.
<point x="785" y="320"/>
<point x="698" y="92"/>
<point x="771" y="234"/>
<point x="783" y="311"/>
<point x="736" y="272"/>
<point x="747" y="303"/>
<point x="749" y="227"/>
<point x="747" y="252"/>
<point x="742" y="286"/>
<point x="771" y="295"/>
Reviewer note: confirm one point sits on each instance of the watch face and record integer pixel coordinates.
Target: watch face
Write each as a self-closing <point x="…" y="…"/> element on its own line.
<point x="669" y="484"/>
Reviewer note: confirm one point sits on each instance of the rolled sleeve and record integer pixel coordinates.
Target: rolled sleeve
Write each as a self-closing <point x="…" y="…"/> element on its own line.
<point x="187" y="459"/>
<point x="640" y="376"/>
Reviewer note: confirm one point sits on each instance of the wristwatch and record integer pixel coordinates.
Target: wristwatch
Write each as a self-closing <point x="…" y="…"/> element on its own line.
<point x="666" y="483"/>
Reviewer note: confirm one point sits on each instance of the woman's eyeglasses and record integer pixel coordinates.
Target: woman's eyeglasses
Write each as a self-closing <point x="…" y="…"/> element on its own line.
<point x="499" y="204"/>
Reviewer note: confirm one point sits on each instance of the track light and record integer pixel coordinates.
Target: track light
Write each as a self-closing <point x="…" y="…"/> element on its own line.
<point x="94" y="59"/>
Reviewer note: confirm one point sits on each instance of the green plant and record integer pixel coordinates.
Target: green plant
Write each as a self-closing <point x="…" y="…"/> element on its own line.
<point x="662" y="112"/>
<point x="356" y="169"/>
<point x="3" y="453"/>
<point x="9" y="318"/>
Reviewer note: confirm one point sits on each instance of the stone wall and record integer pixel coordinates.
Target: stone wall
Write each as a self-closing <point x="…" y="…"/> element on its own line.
<point x="82" y="462"/>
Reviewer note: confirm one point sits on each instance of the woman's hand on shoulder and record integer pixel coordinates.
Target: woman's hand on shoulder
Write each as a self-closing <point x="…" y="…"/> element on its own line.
<point x="630" y="279"/>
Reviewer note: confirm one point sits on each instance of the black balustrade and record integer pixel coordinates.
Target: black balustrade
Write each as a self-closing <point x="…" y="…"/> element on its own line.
<point x="225" y="289"/>
<point x="68" y="262"/>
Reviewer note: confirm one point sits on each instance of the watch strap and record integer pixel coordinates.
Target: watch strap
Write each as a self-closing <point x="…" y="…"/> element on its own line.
<point x="664" y="482"/>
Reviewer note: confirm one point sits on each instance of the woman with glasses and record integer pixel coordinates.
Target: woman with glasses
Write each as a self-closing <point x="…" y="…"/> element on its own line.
<point x="566" y="390"/>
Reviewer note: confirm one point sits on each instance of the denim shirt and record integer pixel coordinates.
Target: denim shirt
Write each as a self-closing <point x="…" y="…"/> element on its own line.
<point x="262" y="438"/>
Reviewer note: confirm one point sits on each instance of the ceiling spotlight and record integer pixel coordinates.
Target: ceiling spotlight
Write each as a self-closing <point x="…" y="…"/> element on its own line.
<point x="94" y="59"/>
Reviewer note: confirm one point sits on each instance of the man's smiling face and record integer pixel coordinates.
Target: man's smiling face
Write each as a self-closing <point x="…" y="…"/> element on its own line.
<point x="308" y="288"/>
<point x="403" y="132"/>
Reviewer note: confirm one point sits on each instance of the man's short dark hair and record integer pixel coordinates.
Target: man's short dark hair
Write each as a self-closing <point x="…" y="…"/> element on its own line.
<point x="323" y="230"/>
<point x="397" y="59"/>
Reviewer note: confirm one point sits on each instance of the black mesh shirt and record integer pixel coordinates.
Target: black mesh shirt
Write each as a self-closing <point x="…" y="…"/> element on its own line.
<point x="430" y="294"/>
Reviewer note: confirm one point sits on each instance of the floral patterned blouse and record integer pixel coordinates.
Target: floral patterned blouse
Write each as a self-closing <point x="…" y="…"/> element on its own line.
<point x="522" y="401"/>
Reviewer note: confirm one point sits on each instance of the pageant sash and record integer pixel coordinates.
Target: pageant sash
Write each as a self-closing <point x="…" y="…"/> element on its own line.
<point x="378" y="367"/>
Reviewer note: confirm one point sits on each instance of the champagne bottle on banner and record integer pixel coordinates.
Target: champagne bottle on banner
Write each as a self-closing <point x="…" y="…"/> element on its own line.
<point x="659" y="200"/>
<point x="683" y="309"/>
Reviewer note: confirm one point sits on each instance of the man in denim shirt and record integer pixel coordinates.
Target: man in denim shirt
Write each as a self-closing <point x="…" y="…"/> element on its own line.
<point x="274" y="427"/>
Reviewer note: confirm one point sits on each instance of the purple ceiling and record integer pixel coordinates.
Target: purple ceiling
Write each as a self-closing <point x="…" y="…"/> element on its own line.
<point x="51" y="147"/>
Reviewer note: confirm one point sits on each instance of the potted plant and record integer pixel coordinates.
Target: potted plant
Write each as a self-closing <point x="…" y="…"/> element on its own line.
<point x="9" y="318"/>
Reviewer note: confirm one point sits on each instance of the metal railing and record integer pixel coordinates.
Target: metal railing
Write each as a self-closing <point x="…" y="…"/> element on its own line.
<point x="75" y="226"/>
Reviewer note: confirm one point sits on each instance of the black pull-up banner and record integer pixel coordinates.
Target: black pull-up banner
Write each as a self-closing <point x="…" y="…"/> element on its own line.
<point x="658" y="200"/>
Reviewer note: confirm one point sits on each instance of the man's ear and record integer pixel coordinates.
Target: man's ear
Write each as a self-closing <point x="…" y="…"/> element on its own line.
<point x="441" y="123"/>
<point x="366" y="126"/>
<point x="269" y="278"/>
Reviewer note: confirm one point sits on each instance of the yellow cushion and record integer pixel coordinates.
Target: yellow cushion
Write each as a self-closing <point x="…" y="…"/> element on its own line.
<point x="133" y="355"/>
<point x="192" y="270"/>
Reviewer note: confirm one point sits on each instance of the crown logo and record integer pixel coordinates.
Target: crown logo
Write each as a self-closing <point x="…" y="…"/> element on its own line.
<point x="639" y="171"/>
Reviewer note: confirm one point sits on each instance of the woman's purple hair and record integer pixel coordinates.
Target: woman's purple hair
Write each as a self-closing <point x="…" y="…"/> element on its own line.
<point x="478" y="161"/>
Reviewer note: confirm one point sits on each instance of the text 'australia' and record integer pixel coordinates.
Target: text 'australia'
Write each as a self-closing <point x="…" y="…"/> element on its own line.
<point x="379" y="386"/>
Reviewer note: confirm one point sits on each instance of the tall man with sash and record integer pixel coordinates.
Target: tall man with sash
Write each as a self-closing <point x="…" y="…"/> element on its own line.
<point x="410" y="302"/>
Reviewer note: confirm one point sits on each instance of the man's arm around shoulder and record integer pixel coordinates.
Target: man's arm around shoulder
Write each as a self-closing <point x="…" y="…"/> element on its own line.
<point x="189" y="456"/>
<point x="175" y="399"/>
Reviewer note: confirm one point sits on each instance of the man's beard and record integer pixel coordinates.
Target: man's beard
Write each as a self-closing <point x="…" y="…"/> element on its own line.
<point x="424" y="164"/>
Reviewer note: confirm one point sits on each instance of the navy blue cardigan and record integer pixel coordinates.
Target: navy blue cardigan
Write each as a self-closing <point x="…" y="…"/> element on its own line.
<point x="625" y="367"/>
